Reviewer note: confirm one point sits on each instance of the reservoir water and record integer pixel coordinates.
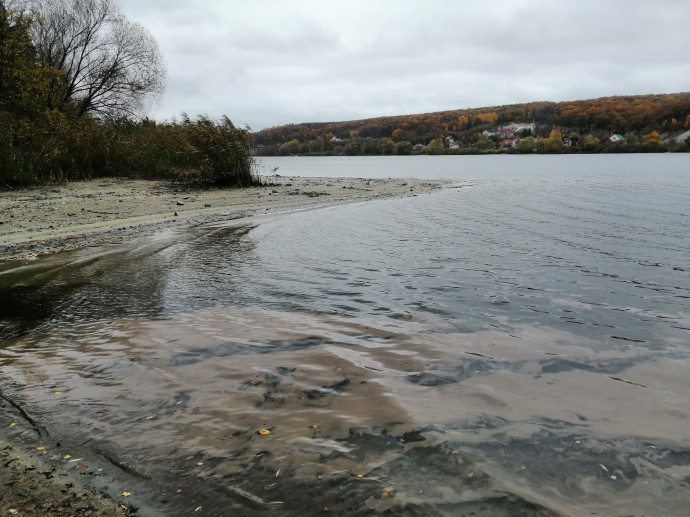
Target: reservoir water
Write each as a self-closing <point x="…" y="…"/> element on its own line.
<point x="515" y="344"/>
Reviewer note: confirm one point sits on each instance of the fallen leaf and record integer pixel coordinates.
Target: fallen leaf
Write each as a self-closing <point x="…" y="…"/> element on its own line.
<point x="126" y="494"/>
<point x="264" y="432"/>
<point x="13" y="424"/>
<point x="152" y="417"/>
<point x="197" y="509"/>
<point x="603" y="467"/>
<point x="199" y="463"/>
<point x="178" y="491"/>
<point x="57" y="393"/>
<point x="40" y="448"/>
<point x="13" y="511"/>
<point x="66" y="457"/>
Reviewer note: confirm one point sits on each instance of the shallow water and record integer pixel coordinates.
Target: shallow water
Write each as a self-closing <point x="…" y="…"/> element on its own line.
<point x="514" y="345"/>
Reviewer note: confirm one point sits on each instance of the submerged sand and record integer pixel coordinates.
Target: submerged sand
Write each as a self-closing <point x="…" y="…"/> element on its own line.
<point x="43" y="220"/>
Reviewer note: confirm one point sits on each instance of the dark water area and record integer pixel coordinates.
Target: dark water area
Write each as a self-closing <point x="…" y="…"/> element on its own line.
<point x="516" y="344"/>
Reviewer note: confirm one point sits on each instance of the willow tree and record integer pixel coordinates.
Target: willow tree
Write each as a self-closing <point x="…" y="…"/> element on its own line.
<point x="110" y="66"/>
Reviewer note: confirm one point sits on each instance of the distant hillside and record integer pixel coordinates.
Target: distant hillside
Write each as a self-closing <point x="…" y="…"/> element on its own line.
<point x="467" y="130"/>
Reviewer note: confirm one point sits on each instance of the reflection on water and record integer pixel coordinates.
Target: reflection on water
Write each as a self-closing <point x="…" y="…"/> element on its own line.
<point x="514" y="347"/>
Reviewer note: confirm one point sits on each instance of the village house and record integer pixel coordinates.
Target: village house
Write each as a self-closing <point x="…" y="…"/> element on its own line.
<point x="509" y="143"/>
<point x="518" y="127"/>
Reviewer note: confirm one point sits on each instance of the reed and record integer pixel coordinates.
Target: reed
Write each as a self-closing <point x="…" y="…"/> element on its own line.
<point x="57" y="147"/>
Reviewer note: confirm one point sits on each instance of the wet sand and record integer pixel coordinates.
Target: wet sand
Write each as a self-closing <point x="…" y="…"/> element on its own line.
<point x="43" y="220"/>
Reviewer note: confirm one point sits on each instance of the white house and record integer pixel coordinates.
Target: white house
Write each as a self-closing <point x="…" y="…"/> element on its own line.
<point x="521" y="126"/>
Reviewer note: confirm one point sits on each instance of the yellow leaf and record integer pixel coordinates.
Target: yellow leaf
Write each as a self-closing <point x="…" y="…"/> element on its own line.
<point x="152" y="417"/>
<point x="66" y="457"/>
<point x="199" y="463"/>
<point x="13" y="424"/>
<point x="40" y="448"/>
<point x="264" y="432"/>
<point x="57" y="393"/>
<point x="126" y="494"/>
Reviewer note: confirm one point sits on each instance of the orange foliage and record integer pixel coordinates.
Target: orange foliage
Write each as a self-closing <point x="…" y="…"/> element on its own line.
<point x="488" y="118"/>
<point x="653" y="137"/>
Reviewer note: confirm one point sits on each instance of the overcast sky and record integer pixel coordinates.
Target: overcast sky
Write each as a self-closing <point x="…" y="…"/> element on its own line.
<point x="272" y="62"/>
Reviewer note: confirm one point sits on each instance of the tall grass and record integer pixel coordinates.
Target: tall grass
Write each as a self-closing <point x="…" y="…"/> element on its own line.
<point x="56" y="147"/>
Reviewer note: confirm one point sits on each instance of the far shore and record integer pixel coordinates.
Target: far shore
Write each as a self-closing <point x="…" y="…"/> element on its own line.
<point x="49" y="219"/>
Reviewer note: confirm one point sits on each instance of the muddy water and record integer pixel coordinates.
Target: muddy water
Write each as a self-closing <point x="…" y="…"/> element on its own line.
<point x="514" y="346"/>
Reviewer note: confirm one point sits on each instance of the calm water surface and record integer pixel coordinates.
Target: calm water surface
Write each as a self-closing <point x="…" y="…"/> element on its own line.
<point x="516" y="344"/>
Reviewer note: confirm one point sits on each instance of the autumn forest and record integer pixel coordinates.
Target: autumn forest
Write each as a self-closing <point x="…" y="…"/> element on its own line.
<point x="646" y="123"/>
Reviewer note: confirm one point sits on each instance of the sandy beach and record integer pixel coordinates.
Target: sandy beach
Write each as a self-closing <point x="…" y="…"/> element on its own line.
<point x="49" y="219"/>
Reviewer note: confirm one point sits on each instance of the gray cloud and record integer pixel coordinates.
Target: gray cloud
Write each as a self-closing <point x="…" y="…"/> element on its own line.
<point x="280" y="61"/>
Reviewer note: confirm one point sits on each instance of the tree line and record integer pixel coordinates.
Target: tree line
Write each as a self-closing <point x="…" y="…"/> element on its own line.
<point x="76" y="79"/>
<point x="585" y="126"/>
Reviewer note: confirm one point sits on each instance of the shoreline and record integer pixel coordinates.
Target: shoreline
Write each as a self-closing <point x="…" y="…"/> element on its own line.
<point x="49" y="219"/>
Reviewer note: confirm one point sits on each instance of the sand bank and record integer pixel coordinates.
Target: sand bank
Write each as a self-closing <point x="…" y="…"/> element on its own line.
<point x="50" y="219"/>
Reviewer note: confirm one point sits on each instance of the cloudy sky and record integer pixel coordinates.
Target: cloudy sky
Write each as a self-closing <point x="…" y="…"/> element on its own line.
<point x="272" y="62"/>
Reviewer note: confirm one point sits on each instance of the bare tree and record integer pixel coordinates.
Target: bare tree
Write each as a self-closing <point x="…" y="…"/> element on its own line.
<point x="110" y="66"/>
